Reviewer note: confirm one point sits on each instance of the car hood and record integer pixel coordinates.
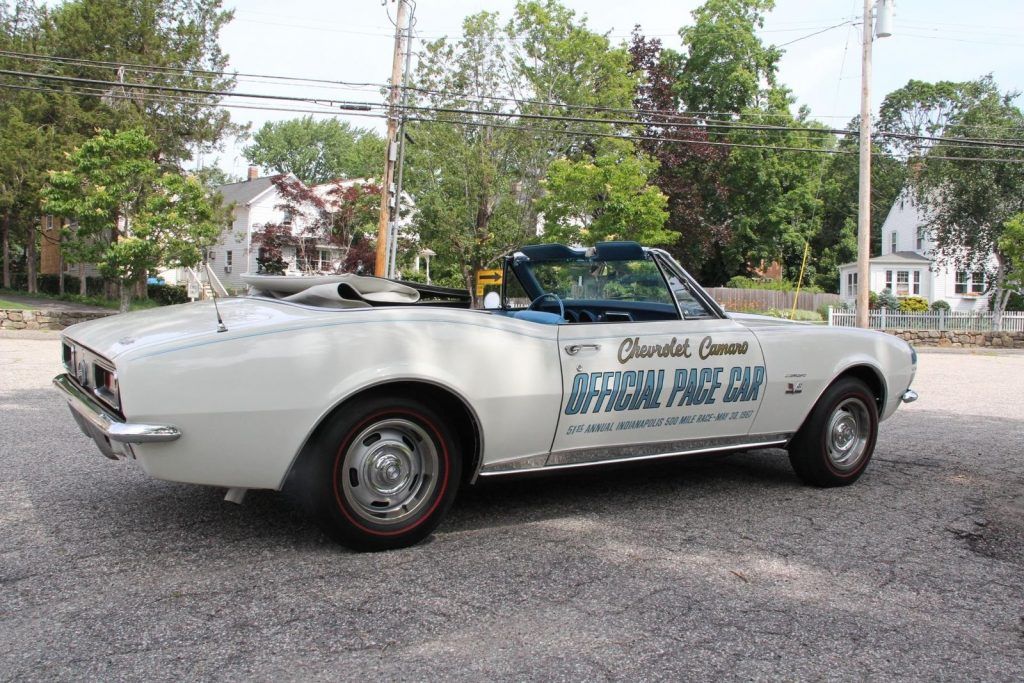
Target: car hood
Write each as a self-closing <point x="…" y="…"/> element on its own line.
<point x="115" y="335"/>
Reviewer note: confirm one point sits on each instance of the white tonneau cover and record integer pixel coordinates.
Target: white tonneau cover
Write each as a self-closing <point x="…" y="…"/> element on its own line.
<point x="332" y="291"/>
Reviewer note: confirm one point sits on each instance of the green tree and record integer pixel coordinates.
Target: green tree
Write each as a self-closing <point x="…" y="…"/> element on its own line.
<point x="1011" y="244"/>
<point x="922" y="109"/>
<point x="726" y="68"/>
<point x="477" y="178"/>
<point x="176" y="40"/>
<point x="131" y="216"/>
<point x="317" y="151"/>
<point x="607" y="198"/>
<point x="970" y="204"/>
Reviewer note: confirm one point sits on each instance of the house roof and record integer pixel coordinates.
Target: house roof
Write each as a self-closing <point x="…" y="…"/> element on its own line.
<point x="244" y="192"/>
<point x="898" y="258"/>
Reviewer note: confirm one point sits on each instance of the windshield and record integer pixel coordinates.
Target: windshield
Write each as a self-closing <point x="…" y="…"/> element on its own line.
<point x="602" y="280"/>
<point x="594" y="289"/>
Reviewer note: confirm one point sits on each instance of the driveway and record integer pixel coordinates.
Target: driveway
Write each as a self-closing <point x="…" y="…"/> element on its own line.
<point x="705" y="569"/>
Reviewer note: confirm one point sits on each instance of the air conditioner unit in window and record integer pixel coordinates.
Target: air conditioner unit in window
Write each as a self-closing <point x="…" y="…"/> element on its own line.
<point x="227" y="269"/>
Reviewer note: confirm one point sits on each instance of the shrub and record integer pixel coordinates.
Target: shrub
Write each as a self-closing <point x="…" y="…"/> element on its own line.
<point x="940" y="305"/>
<point x="873" y="301"/>
<point x="744" y="282"/>
<point x="800" y="314"/>
<point x="914" y="304"/>
<point x="823" y="309"/>
<point x="888" y="300"/>
<point x="167" y="295"/>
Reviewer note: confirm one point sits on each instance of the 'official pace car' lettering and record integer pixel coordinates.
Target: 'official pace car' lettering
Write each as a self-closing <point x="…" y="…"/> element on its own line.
<point x="625" y="390"/>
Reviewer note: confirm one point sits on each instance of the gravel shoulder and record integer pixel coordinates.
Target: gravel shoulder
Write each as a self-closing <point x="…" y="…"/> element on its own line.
<point x="703" y="569"/>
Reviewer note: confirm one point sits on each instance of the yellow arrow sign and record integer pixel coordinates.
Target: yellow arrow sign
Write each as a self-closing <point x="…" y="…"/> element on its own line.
<point x="487" y="278"/>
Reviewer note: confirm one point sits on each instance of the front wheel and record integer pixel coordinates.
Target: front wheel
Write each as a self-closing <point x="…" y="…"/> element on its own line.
<point x="836" y="441"/>
<point x="382" y="475"/>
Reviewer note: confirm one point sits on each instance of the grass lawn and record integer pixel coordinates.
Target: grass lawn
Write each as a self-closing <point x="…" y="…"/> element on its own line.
<point x="136" y="305"/>
<point x="13" y="305"/>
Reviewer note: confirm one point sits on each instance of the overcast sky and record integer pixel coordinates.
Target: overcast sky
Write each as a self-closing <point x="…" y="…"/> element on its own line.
<point x="351" y="40"/>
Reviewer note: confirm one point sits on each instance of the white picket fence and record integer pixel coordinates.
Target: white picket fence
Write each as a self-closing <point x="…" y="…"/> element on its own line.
<point x="956" y="321"/>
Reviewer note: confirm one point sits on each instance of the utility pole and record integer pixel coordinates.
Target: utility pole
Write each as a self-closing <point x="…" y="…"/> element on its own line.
<point x="390" y="154"/>
<point x="392" y="258"/>
<point x="864" y="190"/>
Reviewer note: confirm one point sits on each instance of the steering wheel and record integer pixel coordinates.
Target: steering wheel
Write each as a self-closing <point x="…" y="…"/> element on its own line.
<point x="545" y="295"/>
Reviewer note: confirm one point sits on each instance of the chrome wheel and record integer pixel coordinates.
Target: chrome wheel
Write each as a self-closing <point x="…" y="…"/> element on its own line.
<point x="389" y="471"/>
<point x="847" y="434"/>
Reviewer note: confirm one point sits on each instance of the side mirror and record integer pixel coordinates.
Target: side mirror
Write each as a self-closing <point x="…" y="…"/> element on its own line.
<point x="492" y="301"/>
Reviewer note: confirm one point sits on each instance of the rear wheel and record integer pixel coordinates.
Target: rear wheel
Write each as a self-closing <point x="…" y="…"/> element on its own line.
<point x="382" y="474"/>
<point x="837" y="440"/>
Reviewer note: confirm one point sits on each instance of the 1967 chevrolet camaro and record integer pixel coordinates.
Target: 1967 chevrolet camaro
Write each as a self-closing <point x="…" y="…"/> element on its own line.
<point x="373" y="401"/>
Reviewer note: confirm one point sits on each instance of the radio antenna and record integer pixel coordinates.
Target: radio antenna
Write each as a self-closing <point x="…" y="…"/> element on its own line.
<point x="221" y="327"/>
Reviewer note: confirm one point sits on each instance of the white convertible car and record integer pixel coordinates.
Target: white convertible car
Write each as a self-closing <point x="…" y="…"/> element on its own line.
<point x="374" y="401"/>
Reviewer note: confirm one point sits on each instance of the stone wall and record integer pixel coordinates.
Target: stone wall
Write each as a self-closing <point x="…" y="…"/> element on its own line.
<point x="951" y="339"/>
<point x="52" y="319"/>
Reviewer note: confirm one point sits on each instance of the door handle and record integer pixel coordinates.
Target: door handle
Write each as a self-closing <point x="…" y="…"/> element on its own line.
<point x="573" y="349"/>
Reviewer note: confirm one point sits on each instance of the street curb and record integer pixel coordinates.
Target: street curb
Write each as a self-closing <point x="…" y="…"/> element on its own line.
<point x="30" y="334"/>
<point x="975" y="351"/>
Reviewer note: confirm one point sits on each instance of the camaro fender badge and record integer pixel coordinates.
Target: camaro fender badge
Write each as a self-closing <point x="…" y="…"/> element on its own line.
<point x="794" y="387"/>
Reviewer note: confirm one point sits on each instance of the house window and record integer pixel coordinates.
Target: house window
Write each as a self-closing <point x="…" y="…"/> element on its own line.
<point x="920" y="239"/>
<point x="970" y="283"/>
<point x="903" y="283"/>
<point x="978" y="283"/>
<point x="851" y="284"/>
<point x="917" y="282"/>
<point x="888" y="280"/>
<point x="287" y="219"/>
<point x="227" y="258"/>
<point x="892" y="242"/>
<point x="316" y="259"/>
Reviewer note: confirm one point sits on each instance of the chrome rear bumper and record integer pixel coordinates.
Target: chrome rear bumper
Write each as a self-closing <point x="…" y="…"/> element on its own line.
<point x="112" y="435"/>
<point x="909" y="396"/>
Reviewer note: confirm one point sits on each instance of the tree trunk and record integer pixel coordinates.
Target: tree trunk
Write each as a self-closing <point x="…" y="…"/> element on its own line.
<point x="60" y="273"/>
<point x="468" y="276"/>
<point x="5" y="237"/>
<point x="83" y="286"/>
<point x="30" y="259"/>
<point x="126" y="296"/>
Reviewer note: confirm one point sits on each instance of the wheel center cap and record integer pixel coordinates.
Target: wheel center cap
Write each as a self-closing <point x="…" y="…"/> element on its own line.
<point x="388" y="473"/>
<point x="844" y="435"/>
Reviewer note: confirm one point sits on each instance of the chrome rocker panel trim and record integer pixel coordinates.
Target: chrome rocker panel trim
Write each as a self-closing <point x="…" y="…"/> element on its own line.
<point x="584" y="457"/>
<point x="111" y="433"/>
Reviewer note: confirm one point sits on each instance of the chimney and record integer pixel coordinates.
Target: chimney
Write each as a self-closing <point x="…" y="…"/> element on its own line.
<point x="254" y="172"/>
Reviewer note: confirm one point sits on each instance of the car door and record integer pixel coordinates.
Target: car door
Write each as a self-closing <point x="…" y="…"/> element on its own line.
<point x="640" y="388"/>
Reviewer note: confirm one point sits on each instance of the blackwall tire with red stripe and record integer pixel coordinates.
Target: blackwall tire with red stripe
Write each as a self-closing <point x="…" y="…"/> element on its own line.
<point x="382" y="474"/>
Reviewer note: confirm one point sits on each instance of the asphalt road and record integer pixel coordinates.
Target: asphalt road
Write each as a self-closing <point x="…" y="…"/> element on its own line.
<point x="710" y="569"/>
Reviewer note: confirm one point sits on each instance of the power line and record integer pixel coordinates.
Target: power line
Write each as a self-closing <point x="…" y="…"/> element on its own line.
<point x="816" y="33"/>
<point x="533" y="129"/>
<point x="343" y="103"/>
<point x="584" y="133"/>
<point x="731" y="122"/>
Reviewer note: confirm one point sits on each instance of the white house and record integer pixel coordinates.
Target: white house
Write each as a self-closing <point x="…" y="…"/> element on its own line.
<point x="257" y="202"/>
<point x="908" y="266"/>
